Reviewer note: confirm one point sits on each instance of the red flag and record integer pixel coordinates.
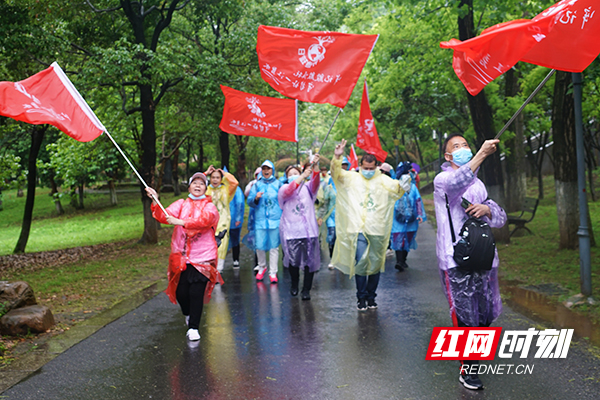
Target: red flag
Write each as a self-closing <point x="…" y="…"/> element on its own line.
<point x="49" y="97"/>
<point x="551" y="39"/>
<point x="353" y="158"/>
<point x="317" y="67"/>
<point x="573" y="43"/>
<point x="367" y="138"/>
<point x="253" y="115"/>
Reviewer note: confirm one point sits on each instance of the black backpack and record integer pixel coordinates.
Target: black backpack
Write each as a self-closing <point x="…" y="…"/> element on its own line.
<point x="476" y="247"/>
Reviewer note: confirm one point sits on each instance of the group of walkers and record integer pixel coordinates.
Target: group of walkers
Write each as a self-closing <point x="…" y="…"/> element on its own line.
<point x="366" y="213"/>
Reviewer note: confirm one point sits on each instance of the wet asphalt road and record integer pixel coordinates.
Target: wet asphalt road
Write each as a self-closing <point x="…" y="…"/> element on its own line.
<point x="260" y="343"/>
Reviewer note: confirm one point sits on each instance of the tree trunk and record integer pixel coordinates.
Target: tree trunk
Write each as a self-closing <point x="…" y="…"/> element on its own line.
<point x="242" y="142"/>
<point x="225" y="152"/>
<point x="80" y="190"/>
<point x="516" y="176"/>
<point x="113" y="193"/>
<point x="565" y="161"/>
<point x="481" y="116"/>
<point x="201" y="157"/>
<point x="175" y="174"/>
<point x="150" y="235"/>
<point x="37" y="137"/>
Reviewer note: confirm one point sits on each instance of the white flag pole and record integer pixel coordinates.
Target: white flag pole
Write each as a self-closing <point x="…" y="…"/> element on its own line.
<point x="135" y="171"/>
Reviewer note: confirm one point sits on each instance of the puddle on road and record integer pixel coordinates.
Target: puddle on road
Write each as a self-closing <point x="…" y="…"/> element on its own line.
<point x="538" y="307"/>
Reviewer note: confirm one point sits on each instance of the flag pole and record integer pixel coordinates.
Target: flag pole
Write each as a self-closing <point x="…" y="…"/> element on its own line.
<point x="537" y="89"/>
<point x="135" y="171"/>
<point x="330" y="128"/>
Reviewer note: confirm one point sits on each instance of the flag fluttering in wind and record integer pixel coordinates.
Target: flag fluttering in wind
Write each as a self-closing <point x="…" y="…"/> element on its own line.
<point x="353" y="158"/>
<point x="563" y="37"/>
<point x="49" y="97"/>
<point x="254" y="115"/>
<point x="316" y="67"/>
<point x="367" y="137"/>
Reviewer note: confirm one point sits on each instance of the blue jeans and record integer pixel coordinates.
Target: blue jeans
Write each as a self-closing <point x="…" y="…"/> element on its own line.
<point x="366" y="286"/>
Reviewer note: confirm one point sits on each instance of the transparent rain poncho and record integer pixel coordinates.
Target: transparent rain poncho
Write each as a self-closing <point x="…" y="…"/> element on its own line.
<point x="298" y="228"/>
<point x="221" y="197"/>
<point x="362" y="206"/>
<point x="474" y="298"/>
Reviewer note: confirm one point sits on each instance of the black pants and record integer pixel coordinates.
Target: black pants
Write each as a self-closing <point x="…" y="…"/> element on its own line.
<point x="308" y="278"/>
<point x="190" y="294"/>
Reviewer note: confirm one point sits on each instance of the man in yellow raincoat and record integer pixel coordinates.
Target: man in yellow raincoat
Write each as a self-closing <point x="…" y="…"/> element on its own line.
<point x="222" y="189"/>
<point x="363" y="220"/>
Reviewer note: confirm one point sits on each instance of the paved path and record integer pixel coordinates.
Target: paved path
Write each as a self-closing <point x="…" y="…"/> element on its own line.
<point x="260" y="343"/>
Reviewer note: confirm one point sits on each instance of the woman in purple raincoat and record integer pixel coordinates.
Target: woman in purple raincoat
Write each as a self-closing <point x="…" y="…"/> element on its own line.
<point x="473" y="296"/>
<point x="298" y="226"/>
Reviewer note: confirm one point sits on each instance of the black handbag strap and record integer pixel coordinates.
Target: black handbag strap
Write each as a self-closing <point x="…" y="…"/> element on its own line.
<point x="450" y="219"/>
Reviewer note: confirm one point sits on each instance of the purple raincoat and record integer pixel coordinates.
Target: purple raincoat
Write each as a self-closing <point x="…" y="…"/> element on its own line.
<point x="298" y="227"/>
<point x="474" y="298"/>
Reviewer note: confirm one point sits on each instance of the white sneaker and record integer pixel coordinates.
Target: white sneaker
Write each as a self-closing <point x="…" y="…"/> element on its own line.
<point x="330" y="266"/>
<point x="389" y="253"/>
<point x="236" y="264"/>
<point x="220" y="265"/>
<point x="257" y="268"/>
<point x="193" y="334"/>
<point x="187" y="320"/>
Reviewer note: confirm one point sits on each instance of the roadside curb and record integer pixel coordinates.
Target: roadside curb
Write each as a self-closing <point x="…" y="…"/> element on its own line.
<point x="32" y="361"/>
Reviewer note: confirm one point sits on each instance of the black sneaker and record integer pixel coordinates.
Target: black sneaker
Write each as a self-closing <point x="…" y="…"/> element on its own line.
<point x="361" y="305"/>
<point x="305" y="296"/>
<point x="471" y="382"/>
<point x="371" y="303"/>
<point x="399" y="267"/>
<point x="294" y="291"/>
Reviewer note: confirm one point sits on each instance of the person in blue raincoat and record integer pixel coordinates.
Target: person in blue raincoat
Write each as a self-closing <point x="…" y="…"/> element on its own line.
<point x="249" y="238"/>
<point x="326" y="212"/>
<point x="236" y="209"/>
<point x="408" y="214"/>
<point x="267" y="214"/>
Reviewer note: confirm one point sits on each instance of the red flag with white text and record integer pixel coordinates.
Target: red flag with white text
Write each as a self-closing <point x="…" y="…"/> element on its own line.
<point x="550" y="39"/>
<point x="367" y="137"/>
<point x="573" y="42"/>
<point x="49" y="97"/>
<point x="317" y="67"/>
<point x="353" y="158"/>
<point x="254" y="115"/>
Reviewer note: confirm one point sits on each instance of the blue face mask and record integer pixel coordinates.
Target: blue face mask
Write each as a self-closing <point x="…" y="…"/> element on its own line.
<point x="367" y="174"/>
<point x="462" y="156"/>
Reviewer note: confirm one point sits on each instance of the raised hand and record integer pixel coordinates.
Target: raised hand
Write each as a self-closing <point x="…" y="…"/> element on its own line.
<point x="339" y="149"/>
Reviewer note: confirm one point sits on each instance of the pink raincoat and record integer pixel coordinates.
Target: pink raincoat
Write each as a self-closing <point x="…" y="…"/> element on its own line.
<point x="193" y="243"/>
<point x="298" y="221"/>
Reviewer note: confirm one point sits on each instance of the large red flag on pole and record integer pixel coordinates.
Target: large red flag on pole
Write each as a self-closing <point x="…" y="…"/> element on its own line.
<point x="367" y="137"/>
<point x="564" y="37"/>
<point x="317" y="67"/>
<point x="49" y="97"/>
<point x="254" y="115"/>
<point x="573" y="43"/>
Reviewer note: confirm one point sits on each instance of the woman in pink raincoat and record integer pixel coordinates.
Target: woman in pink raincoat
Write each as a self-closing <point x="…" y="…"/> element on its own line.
<point x="298" y="227"/>
<point x="193" y="261"/>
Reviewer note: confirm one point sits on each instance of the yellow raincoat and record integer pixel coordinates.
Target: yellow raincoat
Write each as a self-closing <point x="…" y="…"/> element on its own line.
<point x="221" y="197"/>
<point x="367" y="206"/>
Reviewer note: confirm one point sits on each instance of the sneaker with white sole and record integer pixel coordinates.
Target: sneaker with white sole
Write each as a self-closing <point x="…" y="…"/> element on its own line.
<point x="361" y="305"/>
<point x="471" y="381"/>
<point x="236" y="264"/>
<point x="193" y="334"/>
<point x="371" y="303"/>
<point x="330" y="266"/>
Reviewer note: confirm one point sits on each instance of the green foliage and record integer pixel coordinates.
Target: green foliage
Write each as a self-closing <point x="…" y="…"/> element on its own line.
<point x="11" y="173"/>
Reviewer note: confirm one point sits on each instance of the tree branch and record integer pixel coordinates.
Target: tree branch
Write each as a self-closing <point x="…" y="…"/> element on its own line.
<point x="99" y="10"/>
<point x="163" y="89"/>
